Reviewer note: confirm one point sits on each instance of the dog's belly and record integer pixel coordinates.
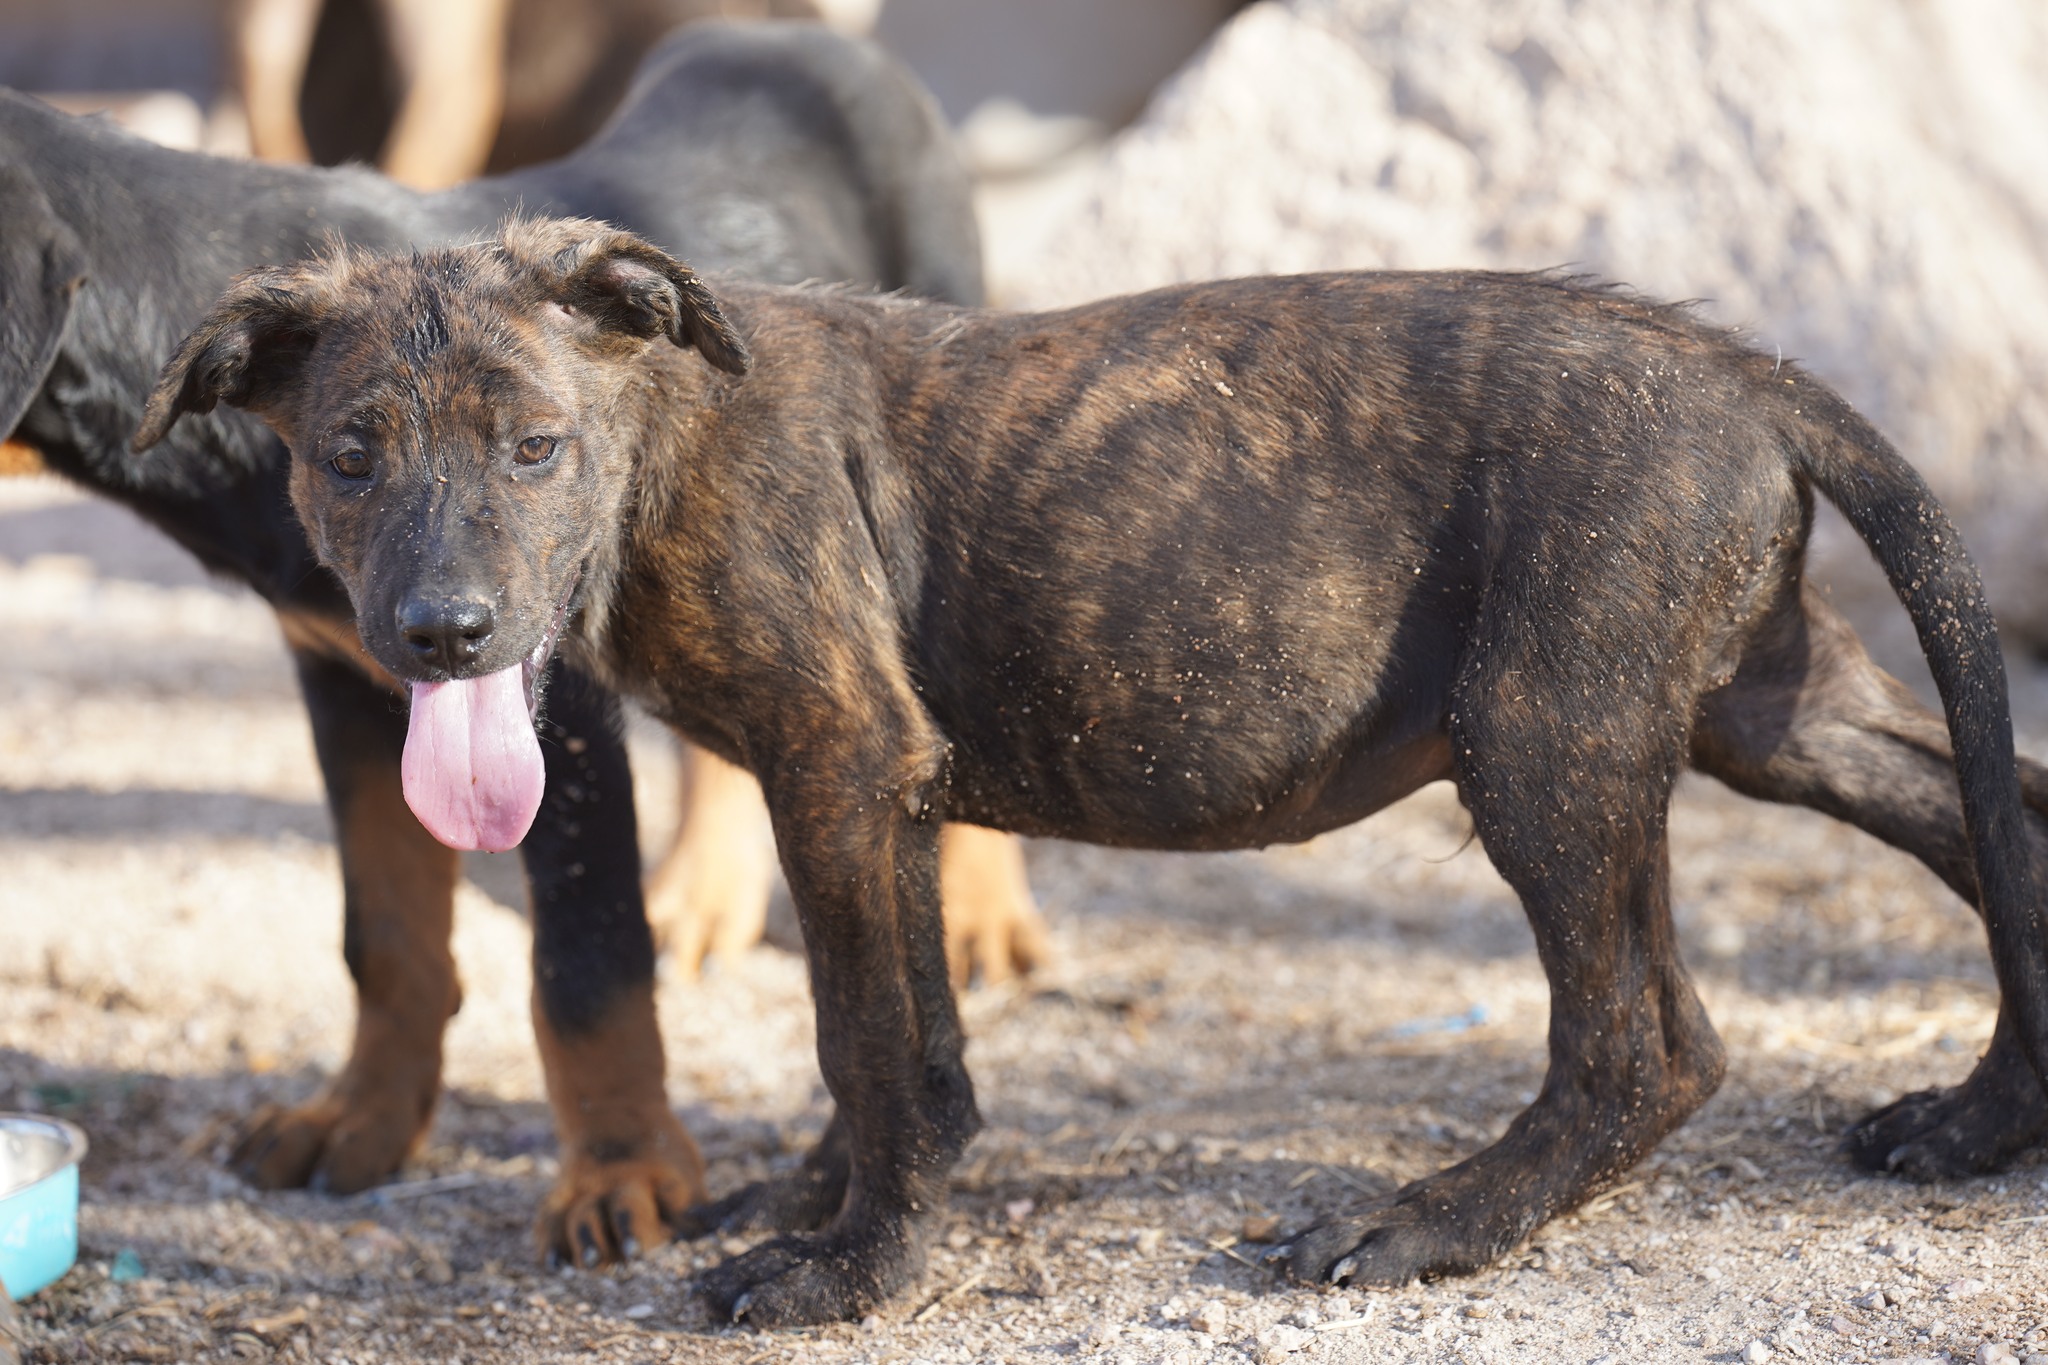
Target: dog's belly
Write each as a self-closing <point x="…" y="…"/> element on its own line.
<point x="1219" y="791"/>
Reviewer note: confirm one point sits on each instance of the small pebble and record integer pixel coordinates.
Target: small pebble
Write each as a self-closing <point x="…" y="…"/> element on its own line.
<point x="1754" y="1352"/>
<point x="640" y="1310"/>
<point x="1996" y="1353"/>
<point x="1101" y="1335"/>
<point x="127" y="1266"/>
<point x="1963" y="1289"/>
<point x="1038" y="1280"/>
<point x="1260" y="1227"/>
<point x="1279" y="1341"/>
<point x="1211" y="1317"/>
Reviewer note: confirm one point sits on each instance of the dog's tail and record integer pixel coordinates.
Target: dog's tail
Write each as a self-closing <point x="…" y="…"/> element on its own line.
<point x="1913" y="540"/>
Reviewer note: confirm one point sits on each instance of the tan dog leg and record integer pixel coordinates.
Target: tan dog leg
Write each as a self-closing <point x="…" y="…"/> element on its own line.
<point x="272" y="40"/>
<point x="629" y="1169"/>
<point x="710" y="892"/>
<point x="451" y="54"/>
<point x="992" y="924"/>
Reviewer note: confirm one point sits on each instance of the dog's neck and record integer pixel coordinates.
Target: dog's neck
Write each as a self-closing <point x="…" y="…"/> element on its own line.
<point x="764" y="469"/>
<point x="666" y="427"/>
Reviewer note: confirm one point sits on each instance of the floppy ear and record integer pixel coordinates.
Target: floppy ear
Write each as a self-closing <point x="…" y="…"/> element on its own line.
<point x="631" y="286"/>
<point x="253" y="343"/>
<point x="41" y="267"/>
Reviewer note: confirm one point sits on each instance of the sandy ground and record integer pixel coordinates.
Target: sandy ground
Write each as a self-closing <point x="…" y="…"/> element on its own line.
<point x="1225" y="1040"/>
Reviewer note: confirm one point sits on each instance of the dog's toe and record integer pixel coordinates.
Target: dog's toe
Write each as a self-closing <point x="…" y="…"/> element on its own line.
<point x="322" y="1145"/>
<point x="342" y="1141"/>
<point x="1386" y="1249"/>
<point x="802" y="1201"/>
<point x="799" y="1280"/>
<point x="1943" y="1135"/>
<point x="277" y="1149"/>
<point x="600" y="1212"/>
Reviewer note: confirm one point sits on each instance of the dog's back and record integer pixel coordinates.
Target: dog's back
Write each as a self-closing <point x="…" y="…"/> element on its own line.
<point x="813" y="158"/>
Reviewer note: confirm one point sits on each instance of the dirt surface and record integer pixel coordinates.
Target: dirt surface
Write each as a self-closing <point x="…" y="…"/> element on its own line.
<point x="1227" y="1043"/>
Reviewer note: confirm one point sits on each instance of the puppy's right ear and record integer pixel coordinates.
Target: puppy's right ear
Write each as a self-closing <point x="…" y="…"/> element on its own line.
<point x="253" y="344"/>
<point x="41" y="267"/>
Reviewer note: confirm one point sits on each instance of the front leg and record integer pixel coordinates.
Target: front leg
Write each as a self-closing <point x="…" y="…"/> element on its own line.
<point x="398" y="901"/>
<point x="860" y="848"/>
<point x="629" y="1169"/>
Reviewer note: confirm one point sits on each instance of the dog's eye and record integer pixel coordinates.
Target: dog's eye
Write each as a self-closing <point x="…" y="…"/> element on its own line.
<point x="536" y="450"/>
<point x="352" y="464"/>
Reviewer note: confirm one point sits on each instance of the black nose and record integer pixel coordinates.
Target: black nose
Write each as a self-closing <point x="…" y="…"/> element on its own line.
<point x="447" y="632"/>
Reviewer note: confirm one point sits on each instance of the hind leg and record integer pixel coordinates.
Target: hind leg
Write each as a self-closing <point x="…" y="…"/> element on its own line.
<point x="1569" y="799"/>
<point x="1809" y="720"/>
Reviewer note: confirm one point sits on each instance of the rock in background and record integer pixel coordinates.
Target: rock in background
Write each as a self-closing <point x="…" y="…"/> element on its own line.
<point x="1862" y="184"/>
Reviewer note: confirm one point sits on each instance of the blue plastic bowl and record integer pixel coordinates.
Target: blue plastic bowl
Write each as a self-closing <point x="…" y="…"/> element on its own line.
<point x="38" y="1200"/>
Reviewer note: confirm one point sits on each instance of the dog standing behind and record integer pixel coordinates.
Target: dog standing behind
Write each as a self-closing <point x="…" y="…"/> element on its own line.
<point x="1215" y="566"/>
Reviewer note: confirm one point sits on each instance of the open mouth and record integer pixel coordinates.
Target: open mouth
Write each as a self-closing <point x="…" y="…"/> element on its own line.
<point x="534" y="667"/>
<point x="472" y="770"/>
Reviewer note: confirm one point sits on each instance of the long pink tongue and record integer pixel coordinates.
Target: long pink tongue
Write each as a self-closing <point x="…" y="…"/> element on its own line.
<point x="472" y="768"/>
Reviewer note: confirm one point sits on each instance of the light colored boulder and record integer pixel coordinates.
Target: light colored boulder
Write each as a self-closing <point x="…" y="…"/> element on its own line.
<point x="1863" y="185"/>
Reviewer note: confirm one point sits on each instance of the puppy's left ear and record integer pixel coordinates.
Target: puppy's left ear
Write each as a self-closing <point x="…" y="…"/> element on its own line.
<point x="624" y="283"/>
<point x="252" y="344"/>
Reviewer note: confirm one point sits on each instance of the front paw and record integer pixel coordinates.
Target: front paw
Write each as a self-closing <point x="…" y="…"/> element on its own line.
<point x="1385" y="1248"/>
<point x="802" y="1201"/>
<point x="332" y="1144"/>
<point x="1946" y="1134"/>
<point x="605" y="1210"/>
<point x="804" y="1279"/>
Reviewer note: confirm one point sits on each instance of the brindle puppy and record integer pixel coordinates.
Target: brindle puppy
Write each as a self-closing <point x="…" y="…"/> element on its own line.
<point x="1206" y="568"/>
<point x="779" y="151"/>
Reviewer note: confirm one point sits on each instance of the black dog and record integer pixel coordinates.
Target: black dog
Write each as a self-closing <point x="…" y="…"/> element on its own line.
<point x="781" y="151"/>
<point x="1206" y="568"/>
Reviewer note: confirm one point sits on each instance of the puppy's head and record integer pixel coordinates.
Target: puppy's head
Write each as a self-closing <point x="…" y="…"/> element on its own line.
<point x="455" y="420"/>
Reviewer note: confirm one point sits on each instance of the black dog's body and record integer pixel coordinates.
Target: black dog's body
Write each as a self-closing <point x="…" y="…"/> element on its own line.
<point x="1209" y="567"/>
<point x="780" y="151"/>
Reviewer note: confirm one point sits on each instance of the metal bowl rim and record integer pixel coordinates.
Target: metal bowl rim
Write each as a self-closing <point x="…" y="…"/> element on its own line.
<point x="75" y="1144"/>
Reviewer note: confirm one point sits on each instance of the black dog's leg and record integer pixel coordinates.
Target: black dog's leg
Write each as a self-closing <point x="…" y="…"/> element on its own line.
<point x="629" y="1169"/>
<point x="399" y="895"/>
<point x="1811" y="721"/>
<point x="864" y="874"/>
<point x="1568" y="783"/>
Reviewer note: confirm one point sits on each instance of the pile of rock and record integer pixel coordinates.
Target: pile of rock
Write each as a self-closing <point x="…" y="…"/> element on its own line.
<point x="1865" y="186"/>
